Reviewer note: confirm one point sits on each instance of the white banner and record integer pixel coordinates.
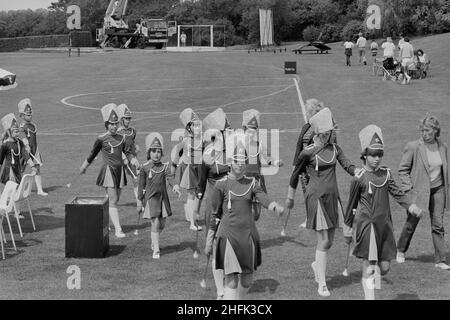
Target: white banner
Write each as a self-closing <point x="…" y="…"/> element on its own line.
<point x="265" y="27"/>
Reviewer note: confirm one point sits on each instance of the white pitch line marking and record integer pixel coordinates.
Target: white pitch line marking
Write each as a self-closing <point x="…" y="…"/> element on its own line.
<point x="172" y="113"/>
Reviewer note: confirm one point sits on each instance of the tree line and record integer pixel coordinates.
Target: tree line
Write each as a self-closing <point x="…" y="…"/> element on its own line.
<point x="294" y="20"/>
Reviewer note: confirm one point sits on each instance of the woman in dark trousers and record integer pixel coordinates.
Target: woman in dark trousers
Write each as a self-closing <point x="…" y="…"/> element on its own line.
<point x="424" y="173"/>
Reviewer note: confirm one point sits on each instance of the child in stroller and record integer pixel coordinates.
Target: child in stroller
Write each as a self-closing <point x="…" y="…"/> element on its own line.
<point x="392" y="69"/>
<point x="419" y="69"/>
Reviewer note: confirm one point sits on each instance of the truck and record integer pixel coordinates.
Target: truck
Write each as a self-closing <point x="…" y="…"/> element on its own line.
<point x="117" y="34"/>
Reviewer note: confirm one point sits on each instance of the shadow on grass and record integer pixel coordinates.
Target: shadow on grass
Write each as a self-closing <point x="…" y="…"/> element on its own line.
<point x="53" y="188"/>
<point x="426" y="258"/>
<point x="144" y="224"/>
<point x="263" y="285"/>
<point x="42" y="222"/>
<point x="407" y="296"/>
<point x="179" y="247"/>
<point x="267" y="243"/>
<point x="20" y="243"/>
<point x="339" y="281"/>
<point x="115" y="250"/>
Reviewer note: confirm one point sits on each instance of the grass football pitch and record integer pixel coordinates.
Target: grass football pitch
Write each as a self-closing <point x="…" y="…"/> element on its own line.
<point x="67" y="94"/>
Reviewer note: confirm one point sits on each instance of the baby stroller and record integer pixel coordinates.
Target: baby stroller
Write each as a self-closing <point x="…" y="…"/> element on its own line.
<point x="392" y="70"/>
<point x="419" y="70"/>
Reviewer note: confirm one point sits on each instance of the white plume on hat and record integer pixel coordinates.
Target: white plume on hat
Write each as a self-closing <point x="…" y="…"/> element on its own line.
<point x="123" y="111"/>
<point x="250" y="118"/>
<point x="8" y="121"/>
<point x="109" y="113"/>
<point x="371" y="137"/>
<point x="188" y="115"/>
<point x="322" y="121"/>
<point x="25" y="106"/>
<point x="154" y="140"/>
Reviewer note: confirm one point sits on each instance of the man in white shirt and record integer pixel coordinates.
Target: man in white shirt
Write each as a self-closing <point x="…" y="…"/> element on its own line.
<point x="361" y="44"/>
<point x="406" y="56"/>
<point x="388" y="48"/>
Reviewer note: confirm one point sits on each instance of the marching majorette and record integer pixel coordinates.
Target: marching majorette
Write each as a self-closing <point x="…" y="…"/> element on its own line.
<point x="305" y="138"/>
<point x="13" y="153"/>
<point x="186" y="175"/>
<point x="28" y="131"/>
<point x="124" y="114"/>
<point x="323" y="204"/>
<point x="114" y="153"/>
<point x="257" y="152"/>
<point x="152" y="191"/>
<point x="237" y="249"/>
<point x="213" y="168"/>
<point x="374" y="232"/>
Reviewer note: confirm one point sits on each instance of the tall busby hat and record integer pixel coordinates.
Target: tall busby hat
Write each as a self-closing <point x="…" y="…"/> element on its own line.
<point x="322" y="121"/>
<point x="25" y="106"/>
<point x="187" y="116"/>
<point x="109" y="113"/>
<point x="123" y="111"/>
<point x="250" y="118"/>
<point x="9" y="121"/>
<point x="235" y="148"/>
<point x="371" y="138"/>
<point x="154" y="140"/>
<point x="216" y="120"/>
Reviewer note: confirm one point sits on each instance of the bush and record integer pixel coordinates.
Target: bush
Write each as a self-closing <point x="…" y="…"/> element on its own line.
<point x="331" y="33"/>
<point x="351" y="30"/>
<point x="310" y="33"/>
<point x="442" y="22"/>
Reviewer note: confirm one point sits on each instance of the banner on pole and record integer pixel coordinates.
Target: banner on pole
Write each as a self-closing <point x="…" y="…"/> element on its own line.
<point x="266" y="27"/>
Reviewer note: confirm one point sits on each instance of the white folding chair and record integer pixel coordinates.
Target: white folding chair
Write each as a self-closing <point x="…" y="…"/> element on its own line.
<point x="22" y="193"/>
<point x="6" y="206"/>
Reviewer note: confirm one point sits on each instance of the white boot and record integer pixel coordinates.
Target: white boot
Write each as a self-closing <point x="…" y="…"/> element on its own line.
<point x="230" y="294"/>
<point x="242" y="292"/>
<point x="135" y="191"/>
<point x="368" y="285"/>
<point x="193" y="213"/>
<point x="114" y="216"/>
<point x="186" y="211"/>
<point x="321" y="267"/>
<point x="218" y="279"/>
<point x="38" y="180"/>
<point x="155" y="244"/>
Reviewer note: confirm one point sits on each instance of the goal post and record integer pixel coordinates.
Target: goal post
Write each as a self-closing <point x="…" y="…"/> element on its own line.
<point x="211" y="36"/>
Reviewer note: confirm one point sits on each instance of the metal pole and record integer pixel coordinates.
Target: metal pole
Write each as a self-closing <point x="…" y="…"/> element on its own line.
<point x="178" y="36"/>
<point x="212" y="36"/>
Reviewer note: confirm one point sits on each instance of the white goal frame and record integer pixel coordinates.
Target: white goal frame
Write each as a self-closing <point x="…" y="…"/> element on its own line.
<point x="210" y="27"/>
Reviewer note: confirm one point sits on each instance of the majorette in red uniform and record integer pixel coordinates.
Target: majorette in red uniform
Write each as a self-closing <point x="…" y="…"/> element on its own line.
<point x="152" y="190"/>
<point x="238" y="250"/>
<point x="374" y="232"/>
<point x="112" y="175"/>
<point x="28" y="131"/>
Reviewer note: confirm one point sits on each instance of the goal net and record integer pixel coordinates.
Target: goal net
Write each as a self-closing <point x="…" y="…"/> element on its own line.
<point x="201" y="36"/>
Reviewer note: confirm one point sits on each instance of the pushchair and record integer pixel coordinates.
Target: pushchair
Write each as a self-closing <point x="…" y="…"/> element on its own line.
<point x="419" y="70"/>
<point x="392" y="69"/>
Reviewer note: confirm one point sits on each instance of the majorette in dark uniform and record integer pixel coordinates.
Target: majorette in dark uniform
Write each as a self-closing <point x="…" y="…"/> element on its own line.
<point x="112" y="173"/>
<point x="373" y="229"/>
<point x="152" y="190"/>
<point x="257" y="152"/>
<point x="323" y="204"/>
<point x="13" y="153"/>
<point x="213" y="168"/>
<point x="238" y="250"/>
<point x="188" y="157"/>
<point x="28" y="131"/>
<point x="131" y="148"/>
